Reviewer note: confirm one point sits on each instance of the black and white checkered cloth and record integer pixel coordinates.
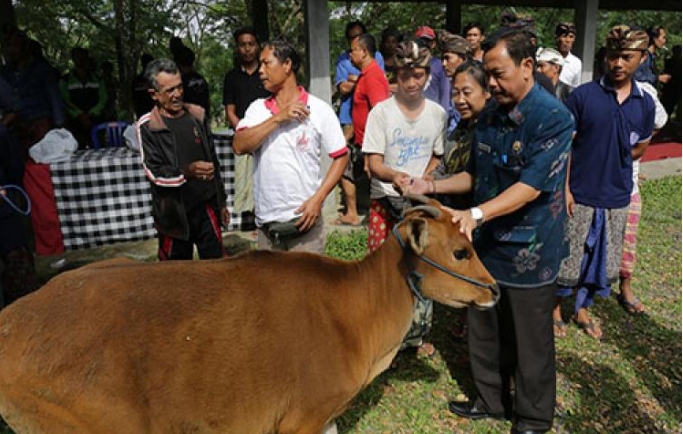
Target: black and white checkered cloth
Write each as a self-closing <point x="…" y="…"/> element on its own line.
<point x="103" y="196"/>
<point x="226" y="157"/>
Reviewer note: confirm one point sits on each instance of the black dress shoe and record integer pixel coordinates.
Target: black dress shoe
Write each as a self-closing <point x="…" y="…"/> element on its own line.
<point x="472" y="410"/>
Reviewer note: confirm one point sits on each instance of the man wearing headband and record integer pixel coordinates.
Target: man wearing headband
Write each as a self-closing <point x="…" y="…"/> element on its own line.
<point x="550" y="63"/>
<point x="614" y="120"/>
<point x="455" y="50"/>
<point x="404" y="137"/>
<point x="565" y="36"/>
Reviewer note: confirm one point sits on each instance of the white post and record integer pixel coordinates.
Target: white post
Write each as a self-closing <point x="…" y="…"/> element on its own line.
<point x="317" y="30"/>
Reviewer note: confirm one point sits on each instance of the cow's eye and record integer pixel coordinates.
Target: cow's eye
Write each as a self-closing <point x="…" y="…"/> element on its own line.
<point x="461" y="254"/>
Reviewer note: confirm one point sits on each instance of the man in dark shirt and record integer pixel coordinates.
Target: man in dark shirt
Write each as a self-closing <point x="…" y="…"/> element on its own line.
<point x="85" y="96"/>
<point x="195" y="87"/>
<point x="242" y="84"/>
<point x="517" y="173"/>
<point x="188" y="196"/>
<point x="142" y="102"/>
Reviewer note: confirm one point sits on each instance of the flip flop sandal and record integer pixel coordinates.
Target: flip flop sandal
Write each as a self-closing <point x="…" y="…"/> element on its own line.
<point x="559" y="328"/>
<point x="588" y="327"/>
<point x="631" y="307"/>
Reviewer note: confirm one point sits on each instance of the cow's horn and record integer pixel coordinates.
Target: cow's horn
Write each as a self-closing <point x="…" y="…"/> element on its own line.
<point x="418" y="198"/>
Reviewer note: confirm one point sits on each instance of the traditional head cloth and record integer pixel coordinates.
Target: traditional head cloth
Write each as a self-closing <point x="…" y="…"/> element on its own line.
<point x="565" y="29"/>
<point x="549" y="55"/>
<point x="454" y="44"/>
<point x="622" y="38"/>
<point x="411" y="55"/>
<point x="525" y="23"/>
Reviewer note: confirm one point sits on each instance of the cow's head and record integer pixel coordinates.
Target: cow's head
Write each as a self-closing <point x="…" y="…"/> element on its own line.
<point x="444" y="264"/>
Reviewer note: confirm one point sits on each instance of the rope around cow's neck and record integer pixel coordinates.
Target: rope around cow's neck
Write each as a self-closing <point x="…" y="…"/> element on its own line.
<point x="4" y="195"/>
<point x="414" y="278"/>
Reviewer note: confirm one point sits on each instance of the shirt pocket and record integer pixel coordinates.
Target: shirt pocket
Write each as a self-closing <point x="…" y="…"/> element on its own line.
<point x="516" y="235"/>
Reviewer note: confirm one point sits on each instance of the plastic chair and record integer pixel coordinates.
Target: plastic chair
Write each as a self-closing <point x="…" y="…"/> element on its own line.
<point x="113" y="134"/>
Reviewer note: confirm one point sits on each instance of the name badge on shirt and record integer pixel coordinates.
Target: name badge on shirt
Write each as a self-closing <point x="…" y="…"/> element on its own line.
<point x="483" y="147"/>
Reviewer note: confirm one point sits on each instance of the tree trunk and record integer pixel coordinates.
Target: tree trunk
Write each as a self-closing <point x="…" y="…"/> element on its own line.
<point x="259" y="17"/>
<point x="6" y="13"/>
<point x="127" y="52"/>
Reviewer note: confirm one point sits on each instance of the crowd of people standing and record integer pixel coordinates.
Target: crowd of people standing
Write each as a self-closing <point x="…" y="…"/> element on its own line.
<point x="503" y="132"/>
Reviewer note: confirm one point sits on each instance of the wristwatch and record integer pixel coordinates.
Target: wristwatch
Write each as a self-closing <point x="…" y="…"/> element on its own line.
<point x="477" y="215"/>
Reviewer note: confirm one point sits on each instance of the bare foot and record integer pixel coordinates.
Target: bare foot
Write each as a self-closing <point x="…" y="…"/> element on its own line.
<point x="426" y="350"/>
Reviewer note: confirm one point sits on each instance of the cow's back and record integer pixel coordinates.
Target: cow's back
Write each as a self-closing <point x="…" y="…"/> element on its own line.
<point x="217" y="333"/>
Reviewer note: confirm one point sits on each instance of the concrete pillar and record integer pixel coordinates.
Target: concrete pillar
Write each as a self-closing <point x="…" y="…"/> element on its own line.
<point x="259" y="18"/>
<point x="453" y="16"/>
<point x="318" y="49"/>
<point x="6" y="12"/>
<point x="586" y="16"/>
<point x="318" y="70"/>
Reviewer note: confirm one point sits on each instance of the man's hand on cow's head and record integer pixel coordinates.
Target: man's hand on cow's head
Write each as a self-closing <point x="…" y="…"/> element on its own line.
<point x="464" y="219"/>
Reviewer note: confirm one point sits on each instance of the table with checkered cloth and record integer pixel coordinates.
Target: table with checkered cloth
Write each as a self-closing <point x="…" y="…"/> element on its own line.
<point x="103" y="196"/>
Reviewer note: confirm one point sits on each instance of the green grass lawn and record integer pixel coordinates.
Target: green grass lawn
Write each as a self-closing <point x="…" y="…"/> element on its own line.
<point x="628" y="383"/>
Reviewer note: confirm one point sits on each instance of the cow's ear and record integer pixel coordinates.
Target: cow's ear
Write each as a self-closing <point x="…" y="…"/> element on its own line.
<point x="418" y="232"/>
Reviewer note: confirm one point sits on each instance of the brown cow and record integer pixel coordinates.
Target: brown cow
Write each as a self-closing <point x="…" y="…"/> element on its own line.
<point x="262" y="343"/>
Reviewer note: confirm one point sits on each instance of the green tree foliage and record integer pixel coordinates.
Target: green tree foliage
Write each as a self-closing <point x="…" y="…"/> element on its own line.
<point x="121" y="30"/>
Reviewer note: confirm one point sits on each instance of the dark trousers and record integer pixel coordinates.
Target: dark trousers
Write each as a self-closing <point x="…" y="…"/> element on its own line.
<point x="205" y="233"/>
<point x="515" y="341"/>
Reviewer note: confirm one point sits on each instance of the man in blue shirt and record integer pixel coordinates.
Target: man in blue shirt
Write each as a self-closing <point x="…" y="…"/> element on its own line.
<point x="517" y="173"/>
<point x="614" y="122"/>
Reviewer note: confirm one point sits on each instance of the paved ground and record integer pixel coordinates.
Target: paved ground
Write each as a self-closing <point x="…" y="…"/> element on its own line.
<point x="661" y="168"/>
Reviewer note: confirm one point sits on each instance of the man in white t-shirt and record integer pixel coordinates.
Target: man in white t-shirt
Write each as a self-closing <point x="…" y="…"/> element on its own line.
<point x="404" y="137"/>
<point x="287" y="133"/>
<point x="565" y="36"/>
